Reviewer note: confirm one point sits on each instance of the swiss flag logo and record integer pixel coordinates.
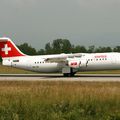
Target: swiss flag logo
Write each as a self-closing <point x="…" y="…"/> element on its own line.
<point x="8" y="49"/>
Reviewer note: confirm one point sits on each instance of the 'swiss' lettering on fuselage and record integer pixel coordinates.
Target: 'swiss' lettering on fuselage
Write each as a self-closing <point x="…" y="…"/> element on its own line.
<point x="100" y="56"/>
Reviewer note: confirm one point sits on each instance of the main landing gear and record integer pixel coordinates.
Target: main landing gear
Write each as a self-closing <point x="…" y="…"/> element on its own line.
<point x="68" y="72"/>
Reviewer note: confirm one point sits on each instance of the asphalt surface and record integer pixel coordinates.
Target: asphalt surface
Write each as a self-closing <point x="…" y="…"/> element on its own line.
<point x="59" y="77"/>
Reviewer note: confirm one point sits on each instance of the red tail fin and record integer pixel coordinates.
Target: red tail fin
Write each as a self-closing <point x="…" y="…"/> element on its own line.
<point x="9" y="49"/>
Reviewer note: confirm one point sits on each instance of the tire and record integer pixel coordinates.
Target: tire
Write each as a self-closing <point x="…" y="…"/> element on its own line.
<point x="69" y="74"/>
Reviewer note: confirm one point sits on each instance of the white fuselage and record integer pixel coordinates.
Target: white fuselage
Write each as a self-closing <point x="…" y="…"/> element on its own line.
<point x="88" y="62"/>
<point x="101" y="61"/>
<point x="34" y="63"/>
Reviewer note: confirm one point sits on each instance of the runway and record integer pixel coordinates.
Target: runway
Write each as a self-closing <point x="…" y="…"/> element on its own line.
<point x="59" y="77"/>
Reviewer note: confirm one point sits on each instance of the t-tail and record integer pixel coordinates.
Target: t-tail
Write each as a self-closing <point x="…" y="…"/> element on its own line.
<point x="8" y="49"/>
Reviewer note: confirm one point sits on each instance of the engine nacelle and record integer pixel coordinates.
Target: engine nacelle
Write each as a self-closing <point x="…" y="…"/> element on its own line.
<point x="74" y="64"/>
<point x="6" y="62"/>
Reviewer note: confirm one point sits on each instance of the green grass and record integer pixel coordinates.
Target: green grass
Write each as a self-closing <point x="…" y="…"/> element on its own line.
<point x="101" y="72"/>
<point x="59" y="100"/>
<point x="11" y="70"/>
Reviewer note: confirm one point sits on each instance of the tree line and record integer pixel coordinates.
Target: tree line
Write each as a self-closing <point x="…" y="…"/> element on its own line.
<point x="64" y="46"/>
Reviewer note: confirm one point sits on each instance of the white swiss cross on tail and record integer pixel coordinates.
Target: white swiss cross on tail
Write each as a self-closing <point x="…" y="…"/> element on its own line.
<point x="6" y="49"/>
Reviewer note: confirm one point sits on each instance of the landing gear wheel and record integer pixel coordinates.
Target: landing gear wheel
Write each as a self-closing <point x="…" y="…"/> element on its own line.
<point x="69" y="74"/>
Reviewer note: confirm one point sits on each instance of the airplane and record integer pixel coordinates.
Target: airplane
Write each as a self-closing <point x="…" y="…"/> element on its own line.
<point x="67" y="64"/>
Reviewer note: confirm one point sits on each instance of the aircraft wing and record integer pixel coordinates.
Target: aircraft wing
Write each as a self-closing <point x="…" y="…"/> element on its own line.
<point x="63" y="58"/>
<point x="58" y="60"/>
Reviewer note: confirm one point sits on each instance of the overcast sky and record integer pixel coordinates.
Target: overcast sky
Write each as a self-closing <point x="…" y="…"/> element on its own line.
<point x="83" y="22"/>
